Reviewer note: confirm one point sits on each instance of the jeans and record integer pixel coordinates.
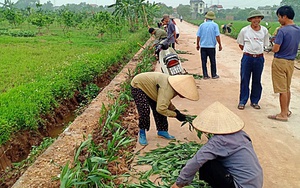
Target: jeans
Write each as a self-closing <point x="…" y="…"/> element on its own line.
<point x="211" y="53"/>
<point x="251" y="66"/>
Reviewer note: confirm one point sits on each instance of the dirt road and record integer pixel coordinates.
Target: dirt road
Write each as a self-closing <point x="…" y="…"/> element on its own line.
<point x="277" y="144"/>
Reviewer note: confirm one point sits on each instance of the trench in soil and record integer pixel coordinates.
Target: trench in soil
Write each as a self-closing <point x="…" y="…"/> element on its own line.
<point x="19" y="147"/>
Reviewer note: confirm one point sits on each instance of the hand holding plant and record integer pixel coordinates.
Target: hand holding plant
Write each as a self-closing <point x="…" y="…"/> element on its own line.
<point x="180" y="116"/>
<point x="189" y="120"/>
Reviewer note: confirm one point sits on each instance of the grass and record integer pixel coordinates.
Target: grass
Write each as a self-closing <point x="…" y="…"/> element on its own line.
<point x="38" y="72"/>
<point x="28" y="59"/>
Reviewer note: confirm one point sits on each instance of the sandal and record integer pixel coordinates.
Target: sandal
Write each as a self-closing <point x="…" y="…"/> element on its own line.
<point x="241" y="106"/>
<point x="255" y="106"/>
<point x="289" y="113"/>
<point x="277" y="117"/>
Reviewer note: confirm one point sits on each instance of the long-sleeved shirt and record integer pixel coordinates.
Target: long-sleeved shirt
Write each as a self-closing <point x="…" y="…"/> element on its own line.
<point x="171" y="30"/>
<point x="235" y="152"/>
<point x="159" y="35"/>
<point x="156" y="86"/>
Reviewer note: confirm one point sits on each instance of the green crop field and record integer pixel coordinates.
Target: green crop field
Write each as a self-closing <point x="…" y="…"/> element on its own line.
<point x="238" y="25"/>
<point x="36" y="72"/>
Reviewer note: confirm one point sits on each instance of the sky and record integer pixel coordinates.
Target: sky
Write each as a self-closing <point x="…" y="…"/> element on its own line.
<point x="224" y="3"/>
<point x="175" y="3"/>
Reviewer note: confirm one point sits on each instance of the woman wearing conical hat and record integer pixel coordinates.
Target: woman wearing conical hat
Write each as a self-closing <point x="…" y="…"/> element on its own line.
<point x="228" y="159"/>
<point x="155" y="90"/>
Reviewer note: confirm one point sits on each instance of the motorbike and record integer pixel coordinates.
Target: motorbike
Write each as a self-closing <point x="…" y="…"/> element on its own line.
<point x="271" y="40"/>
<point x="168" y="59"/>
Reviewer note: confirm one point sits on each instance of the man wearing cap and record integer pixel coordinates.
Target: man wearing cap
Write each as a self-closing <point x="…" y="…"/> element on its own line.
<point x="252" y="39"/>
<point x="285" y="51"/>
<point x="228" y="159"/>
<point x="155" y="90"/>
<point x="208" y="35"/>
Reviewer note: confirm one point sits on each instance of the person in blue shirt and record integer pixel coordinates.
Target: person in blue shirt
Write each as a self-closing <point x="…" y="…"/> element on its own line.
<point x="208" y="35"/>
<point x="285" y="51"/>
<point x="228" y="159"/>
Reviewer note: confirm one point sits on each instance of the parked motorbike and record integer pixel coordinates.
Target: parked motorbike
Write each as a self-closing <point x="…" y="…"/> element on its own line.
<point x="168" y="59"/>
<point x="271" y="40"/>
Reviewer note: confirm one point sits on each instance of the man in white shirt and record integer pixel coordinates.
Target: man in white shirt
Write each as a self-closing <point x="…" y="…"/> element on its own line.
<point x="252" y="40"/>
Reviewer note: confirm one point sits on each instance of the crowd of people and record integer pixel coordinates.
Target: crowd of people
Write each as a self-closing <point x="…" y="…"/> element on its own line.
<point x="228" y="159"/>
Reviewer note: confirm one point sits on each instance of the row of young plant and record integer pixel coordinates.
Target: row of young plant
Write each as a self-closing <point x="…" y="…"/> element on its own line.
<point x="21" y="107"/>
<point x="93" y="171"/>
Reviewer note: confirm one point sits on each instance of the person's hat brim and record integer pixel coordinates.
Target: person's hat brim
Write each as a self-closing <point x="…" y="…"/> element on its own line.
<point x="255" y="14"/>
<point x="184" y="85"/>
<point x="218" y="119"/>
<point x="210" y="15"/>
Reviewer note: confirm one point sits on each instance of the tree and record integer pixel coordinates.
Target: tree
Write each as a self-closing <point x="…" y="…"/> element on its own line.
<point x="243" y="14"/>
<point x="131" y="10"/>
<point x="184" y="11"/>
<point x="295" y="4"/>
<point x="11" y="14"/>
<point x="23" y="4"/>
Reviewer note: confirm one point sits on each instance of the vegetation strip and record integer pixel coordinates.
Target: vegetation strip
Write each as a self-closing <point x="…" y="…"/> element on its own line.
<point x="94" y="171"/>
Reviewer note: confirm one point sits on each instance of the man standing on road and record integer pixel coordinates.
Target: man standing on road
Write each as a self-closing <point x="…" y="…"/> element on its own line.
<point x="285" y="49"/>
<point x="208" y="35"/>
<point x="170" y="30"/>
<point x="228" y="159"/>
<point x="252" y="40"/>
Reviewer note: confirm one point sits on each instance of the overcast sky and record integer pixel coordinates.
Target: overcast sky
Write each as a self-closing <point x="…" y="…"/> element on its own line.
<point x="175" y="3"/>
<point x="224" y="3"/>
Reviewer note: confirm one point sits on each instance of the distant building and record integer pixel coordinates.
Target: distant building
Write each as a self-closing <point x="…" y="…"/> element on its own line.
<point x="268" y="11"/>
<point x="197" y="7"/>
<point x="215" y="8"/>
<point x="93" y="5"/>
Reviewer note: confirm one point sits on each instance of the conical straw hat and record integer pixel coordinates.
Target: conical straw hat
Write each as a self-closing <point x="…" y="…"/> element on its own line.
<point x="185" y="85"/>
<point x="218" y="119"/>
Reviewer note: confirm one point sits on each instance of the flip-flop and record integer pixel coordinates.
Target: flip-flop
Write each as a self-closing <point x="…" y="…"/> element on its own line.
<point x="276" y="117"/>
<point x="289" y="113"/>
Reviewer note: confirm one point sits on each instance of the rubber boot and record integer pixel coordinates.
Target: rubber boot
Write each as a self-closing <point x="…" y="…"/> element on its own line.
<point x="142" y="138"/>
<point x="165" y="135"/>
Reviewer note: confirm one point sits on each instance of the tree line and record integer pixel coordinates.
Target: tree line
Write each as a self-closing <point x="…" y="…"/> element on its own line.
<point x="132" y="13"/>
<point x="241" y="14"/>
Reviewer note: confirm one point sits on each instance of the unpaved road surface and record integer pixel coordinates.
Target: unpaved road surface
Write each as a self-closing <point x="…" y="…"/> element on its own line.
<point x="277" y="144"/>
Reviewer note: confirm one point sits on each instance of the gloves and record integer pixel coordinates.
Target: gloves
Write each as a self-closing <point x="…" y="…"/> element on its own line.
<point x="180" y="116"/>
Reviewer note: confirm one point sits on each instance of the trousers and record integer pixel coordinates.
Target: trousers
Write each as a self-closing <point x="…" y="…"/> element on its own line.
<point x="143" y="104"/>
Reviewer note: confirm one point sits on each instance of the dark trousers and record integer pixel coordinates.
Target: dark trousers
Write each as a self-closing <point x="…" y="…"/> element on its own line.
<point x="216" y="175"/>
<point x="251" y="67"/>
<point x="143" y="104"/>
<point x="173" y="45"/>
<point x="211" y="53"/>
